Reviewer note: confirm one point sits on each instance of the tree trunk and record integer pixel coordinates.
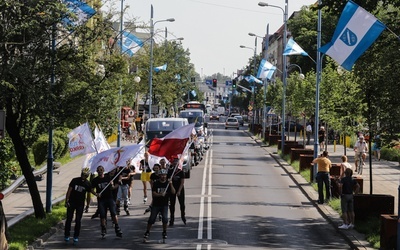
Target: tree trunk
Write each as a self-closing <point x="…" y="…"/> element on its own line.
<point x="20" y="151"/>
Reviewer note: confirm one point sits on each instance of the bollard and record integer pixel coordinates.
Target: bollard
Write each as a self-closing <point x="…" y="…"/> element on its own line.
<point x="334" y="145"/>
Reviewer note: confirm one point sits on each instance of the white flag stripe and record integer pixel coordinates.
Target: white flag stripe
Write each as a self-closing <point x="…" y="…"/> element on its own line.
<point x="360" y="24"/>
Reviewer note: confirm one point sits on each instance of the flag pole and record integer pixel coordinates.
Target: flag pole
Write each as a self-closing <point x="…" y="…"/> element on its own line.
<point x="120" y="171"/>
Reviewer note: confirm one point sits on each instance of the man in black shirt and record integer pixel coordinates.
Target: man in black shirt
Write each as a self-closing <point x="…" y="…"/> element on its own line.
<point x="178" y="180"/>
<point x="161" y="191"/>
<point x="104" y="191"/>
<point x="75" y="202"/>
<point x="348" y="186"/>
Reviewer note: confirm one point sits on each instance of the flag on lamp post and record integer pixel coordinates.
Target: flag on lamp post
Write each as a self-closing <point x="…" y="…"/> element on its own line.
<point x="292" y="49"/>
<point x="266" y="70"/>
<point x="81" y="10"/>
<point x="130" y="43"/>
<point x="355" y="32"/>
<point x="251" y="79"/>
<point x="159" y="68"/>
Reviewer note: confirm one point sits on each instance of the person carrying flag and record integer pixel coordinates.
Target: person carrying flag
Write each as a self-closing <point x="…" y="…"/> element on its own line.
<point x="178" y="180"/>
<point x="161" y="192"/>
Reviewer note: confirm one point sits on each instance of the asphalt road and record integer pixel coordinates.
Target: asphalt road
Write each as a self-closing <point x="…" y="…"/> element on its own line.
<point x="238" y="197"/>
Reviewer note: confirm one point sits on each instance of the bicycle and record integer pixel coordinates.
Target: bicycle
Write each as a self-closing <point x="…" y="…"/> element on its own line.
<point x="360" y="163"/>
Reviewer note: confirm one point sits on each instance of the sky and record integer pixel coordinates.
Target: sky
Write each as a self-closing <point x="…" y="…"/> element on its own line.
<point x="213" y="30"/>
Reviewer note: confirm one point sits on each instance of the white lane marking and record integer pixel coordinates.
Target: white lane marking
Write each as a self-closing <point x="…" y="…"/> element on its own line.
<point x="207" y="166"/>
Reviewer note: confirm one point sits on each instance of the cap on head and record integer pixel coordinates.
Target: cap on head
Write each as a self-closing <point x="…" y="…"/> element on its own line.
<point x="361" y="137"/>
<point x="85" y="172"/>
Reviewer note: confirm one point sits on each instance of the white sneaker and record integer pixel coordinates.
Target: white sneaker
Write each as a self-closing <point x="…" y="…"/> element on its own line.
<point x="350" y="226"/>
<point x="144" y="199"/>
<point x="129" y="201"/>
<point x="344" y="226"/>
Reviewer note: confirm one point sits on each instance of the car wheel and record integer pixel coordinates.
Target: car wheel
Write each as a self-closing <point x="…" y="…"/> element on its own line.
<point x="226" y="128"/>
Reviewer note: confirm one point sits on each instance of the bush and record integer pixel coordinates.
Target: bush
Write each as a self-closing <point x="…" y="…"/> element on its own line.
<point x="390" y="154"/>
<point x="39" y="150"/>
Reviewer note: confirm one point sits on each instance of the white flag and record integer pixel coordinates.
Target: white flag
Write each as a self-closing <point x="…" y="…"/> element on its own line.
<point x="81" y="141"/>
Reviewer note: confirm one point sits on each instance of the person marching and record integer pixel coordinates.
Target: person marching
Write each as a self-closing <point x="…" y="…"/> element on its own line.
<point x="75" y="202"/>
<point x="123" y="189"/>
<point x="153" y="178"/>
<point x="161" y="192"/>
<point x="178" y="180"/>
<point x="104" y="191"/>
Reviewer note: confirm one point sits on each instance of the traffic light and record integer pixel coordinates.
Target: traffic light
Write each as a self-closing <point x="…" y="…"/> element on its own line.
<point x="234" y="83"/>
<point x="193" y="79"/>
<point x="214" y="83"/>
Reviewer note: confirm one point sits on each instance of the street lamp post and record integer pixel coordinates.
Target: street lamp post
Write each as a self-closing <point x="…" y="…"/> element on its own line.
<point x="151" y="55"/>
<point x="255" y="73"/>
<point x="285" y="13"/>
<point x="301" y="75"/>
<point x="264" y="116"/>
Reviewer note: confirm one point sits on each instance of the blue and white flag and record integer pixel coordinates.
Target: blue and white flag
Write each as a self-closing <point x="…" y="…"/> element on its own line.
<point x="266" y="70"/>
<point x="178" y="77"/>
<point x="251" y="79"/>
<point x="292" y="49"/>
<point x="355" y="32"/>
<point x="82" y="11"/>
<point x="193" y="92"/>
<point x="130" y="43"/>
<point x="159" y="68"/>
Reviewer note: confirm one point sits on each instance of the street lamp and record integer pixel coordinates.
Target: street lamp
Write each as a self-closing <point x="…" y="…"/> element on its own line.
<point x="285" y="13"/>
<point x="151" y="55"/>
<point x="255" y="73"/>
<point x="264" y="120"/>
<point x="301" y="75"/>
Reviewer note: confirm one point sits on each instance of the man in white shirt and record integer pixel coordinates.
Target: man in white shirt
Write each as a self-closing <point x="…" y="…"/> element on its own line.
<point x="309" y="133"/>
<point x="360" y="148"/>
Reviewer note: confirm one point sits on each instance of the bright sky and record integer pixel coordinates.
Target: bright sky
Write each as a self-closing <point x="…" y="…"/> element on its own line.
<point x="213" y="30"/>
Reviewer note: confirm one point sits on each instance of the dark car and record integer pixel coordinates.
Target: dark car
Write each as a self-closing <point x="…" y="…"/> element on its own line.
<point x="240" y="119"/>
<point x="294" y="126"/>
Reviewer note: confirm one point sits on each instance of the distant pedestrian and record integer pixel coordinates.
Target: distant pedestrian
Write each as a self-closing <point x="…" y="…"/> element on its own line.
<point x="308" y="133"/>
<point x="324" y="166"/>
<point x="102" y="187"/>
<point x="75" y="203"/>
<point x="133" y="172"/>
<point x="161" y="192"/>
<point x="321" y="138"/>
<point x="361" y="149"/>
<point x="376" y="147"/>
<point x="348" y="186"/>
<point x="145" y="175"/>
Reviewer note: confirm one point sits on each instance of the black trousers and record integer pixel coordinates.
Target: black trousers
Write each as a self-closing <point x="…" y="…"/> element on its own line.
<point x="172" y="202"/>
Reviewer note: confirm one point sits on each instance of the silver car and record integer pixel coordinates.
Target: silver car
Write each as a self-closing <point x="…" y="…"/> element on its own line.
<point x="232" y="122"/>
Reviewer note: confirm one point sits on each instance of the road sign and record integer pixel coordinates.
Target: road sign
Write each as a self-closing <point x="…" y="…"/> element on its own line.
<point x="250" y="113"/>
<point x="250" y="108"/>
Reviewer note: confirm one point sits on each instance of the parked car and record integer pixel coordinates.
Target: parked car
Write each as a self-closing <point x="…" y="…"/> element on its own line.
<point x="293" y="125"/>
<point x="232" y="122"/>
<point x="233" y="114"/>
<point x="240" y="119"/>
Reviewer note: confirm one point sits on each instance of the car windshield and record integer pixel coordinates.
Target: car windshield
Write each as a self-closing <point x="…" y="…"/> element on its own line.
<point x="164" y="125"/>
<point x="232" y="120"/>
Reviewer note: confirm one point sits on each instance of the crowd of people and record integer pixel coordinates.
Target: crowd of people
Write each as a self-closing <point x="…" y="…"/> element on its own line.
<point x="113" y="191"/>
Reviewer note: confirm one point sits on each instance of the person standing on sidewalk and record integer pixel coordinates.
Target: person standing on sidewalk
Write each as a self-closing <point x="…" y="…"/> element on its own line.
<point x="104" y="192"/>
<point x="348" y="185"/>
<point x="75" y="203"/>
<point x="321" y="138"/>
<point x="324" y="166"/>
<point x="161" y="192"/>
<point x="178" y="180"/>
<point x="308" y="132"/>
